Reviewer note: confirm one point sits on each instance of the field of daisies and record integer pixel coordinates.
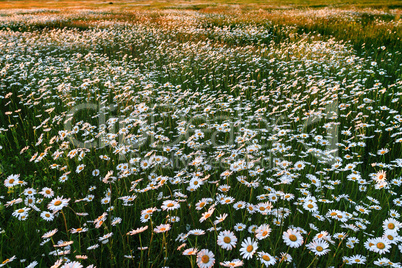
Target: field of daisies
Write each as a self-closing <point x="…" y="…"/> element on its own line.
<point x="178" y="138"/>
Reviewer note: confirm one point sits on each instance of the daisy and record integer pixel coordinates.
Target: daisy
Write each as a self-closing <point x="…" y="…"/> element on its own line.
<point x="162" y="228"/>
<point x="357" y="259"/>
<point x="292" y="238"/>
<point x="49" y="234"/>
<point x="207" y="214"/>
<point x="196" y="232"/>
<point x="392" y="236"/>
<point x="200" y="204"/>
<point x="232" y="263"/>
<point x="58" y="203"/>
<point x="29" y="191"/>
<point x="205" y="259"/>
<point x="391" y="224"/>
<point x="11" y="180"/>
<point x="138" y="230"/>
<point x="7" y="261"/>
<point x="73" y="264"/>
<point x="380" y="176"/>
<point x="262" y="232"/>
<point x="286" y="257"/>
<point x="248" y="248"/>
<point x="378" y="245"/>
<point x="170" y="205"/>
<point x="47" y="192"/>
<point x="227" y="240"/>
<point x="47" y="216"/>
<point x="266" y="258"/>
<point x="21" y="213"/>
<point x="318" y="247"/>
<point x="240" y="227"/>
<point x="190" y="251"/>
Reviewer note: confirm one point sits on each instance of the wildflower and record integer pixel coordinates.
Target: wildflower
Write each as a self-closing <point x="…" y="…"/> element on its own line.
<point x="47" y="192"/>
<point x="232" y="263"/>
<point x="190" y="251"/>
<point x="207" y="214"/>
<point x="227" y="240"/>
<point x="49" y="234"/>
<point x="205" y="259"/>
<point x="240" y="227"/>
<point x="248" y="248"/>
<point x="391" y="224"/>
<point x="58" y="203"/>
<point x="47" y="216"/>
<point x="266" y="258"/>
<point x="170" y="205"/>
<point x="21" y="213"/>
<point x="138" y="230"/>
<point x="378" y="245"/>
<point x="162" y="228"/>
<point x="262" y="232"/>
<point x="319" y="247"/>
<point x="292" y="238"/>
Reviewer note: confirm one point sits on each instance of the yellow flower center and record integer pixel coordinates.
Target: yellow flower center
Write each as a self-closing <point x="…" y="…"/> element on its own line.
<point x="391" y="225"/>
<point x="205" y="259"/>
<point x="57" y="203"/>
<point x="20" y="211"/>
<point x="226" y="239"/>
<point x="380" y="245"/>
<point x="170" y="205"/>
<point x="264" y="233"/>
<point x="266" y="258"/>
<point x="292" y="237"/>
<point x="249" y="248"/>
<point x="310" y="206"/>
<point x="319" y="248"/>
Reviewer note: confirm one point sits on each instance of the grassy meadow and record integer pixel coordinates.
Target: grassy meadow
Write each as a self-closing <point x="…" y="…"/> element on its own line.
<point x="200" y="134"/>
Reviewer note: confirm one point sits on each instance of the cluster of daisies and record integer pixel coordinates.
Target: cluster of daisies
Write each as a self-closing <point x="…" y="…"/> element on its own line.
<point x="169" y="142"/>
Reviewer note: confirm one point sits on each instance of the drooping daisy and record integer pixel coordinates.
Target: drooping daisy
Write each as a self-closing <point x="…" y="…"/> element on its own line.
<point x="162" y="228"/>
<point x="232" y="263"/>
<point x="248" y="248"/>
<point x="227" y="240"/>
<point x="138" y="230"/>
<point x="207" y="214"/>
<point x="292" y="238"/>
<point x="205" y="259"/>
<point x="190" y="251"/>
<point x="49" y="234"/>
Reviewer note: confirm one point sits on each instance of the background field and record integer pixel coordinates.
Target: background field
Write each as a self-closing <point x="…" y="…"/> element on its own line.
<point x="226" y="108"/>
